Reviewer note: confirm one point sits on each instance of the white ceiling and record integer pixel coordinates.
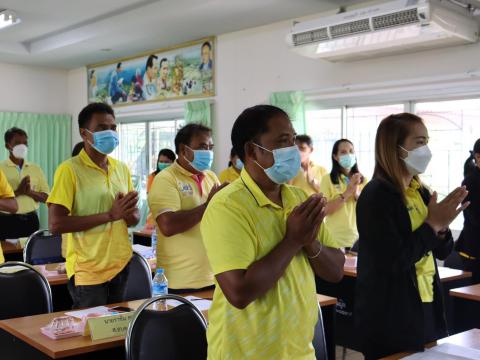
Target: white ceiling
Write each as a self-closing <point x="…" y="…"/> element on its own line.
<point x="71" y="33"/>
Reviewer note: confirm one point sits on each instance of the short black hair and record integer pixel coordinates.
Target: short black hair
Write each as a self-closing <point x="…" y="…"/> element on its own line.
<point x="119" y="65"/>
<point x="251" y="123"/>
<point x="207" y="43"/>
<point x="77" y="148"/>
<point x="10" y="133"/>
<point x="150" y="61"/>
<point x="162" y="61"/>
<point x="94" y="108"/>
<point x="304" y="139"/>
<point x="168" y="153"/>
<point x="186" y="133"/>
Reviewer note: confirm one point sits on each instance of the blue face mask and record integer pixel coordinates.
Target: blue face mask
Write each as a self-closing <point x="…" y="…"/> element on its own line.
<point x="239" y="164"/>
<point x="104" y="141"/>
<point x="347" y="161"/>
<point x="162" y="166"/>
<point x="202" y="159"/>
<point x="286" y="164"/>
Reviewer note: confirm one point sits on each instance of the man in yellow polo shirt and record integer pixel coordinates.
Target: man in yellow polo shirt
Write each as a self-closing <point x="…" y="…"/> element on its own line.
<point x="265" y="241"/>
<point x="93" y="199"/>
<point x="178" y="198"/>
<point x="30" y="184"/>
<point x="310" y="174"/>
<point x="7" y="202"/>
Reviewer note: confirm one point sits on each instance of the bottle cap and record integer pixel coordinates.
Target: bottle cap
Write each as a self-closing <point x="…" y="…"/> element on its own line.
<point x="160" y="271"/>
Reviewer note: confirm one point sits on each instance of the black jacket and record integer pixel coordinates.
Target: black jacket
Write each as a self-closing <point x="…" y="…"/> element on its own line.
<point x="469" y="240"/>
<point x="388" y="309"/>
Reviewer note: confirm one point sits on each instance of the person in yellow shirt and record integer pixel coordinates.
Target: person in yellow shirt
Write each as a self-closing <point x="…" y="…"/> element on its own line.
<point x="178" y="198"/>
<point x="342" y="187"/>
<point x="93" y="200"/>
<point x="310" y="174"/>
<point x="166" y="157"/>
<point x="232" y="173"/>
<point x="30" y="184"/>
<point x="7" y="202"/>
<point x="265" y="242"/>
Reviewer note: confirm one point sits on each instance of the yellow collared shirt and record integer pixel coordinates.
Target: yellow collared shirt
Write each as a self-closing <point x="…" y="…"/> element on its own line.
<point x="182" y="255"/>
<point x="38" y="182"/>
<point x="316" y="172"/>
<point x="229" y="175"/>
<point x="241" y="225"/>
<point x="6" y="192"/>
<point x="425" y="267"/>
<point x="99" y="254"/>
<point x="342" y="224"/>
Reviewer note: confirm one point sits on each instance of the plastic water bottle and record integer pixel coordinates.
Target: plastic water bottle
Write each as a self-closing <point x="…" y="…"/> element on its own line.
<point x="154" y="242"/>
<point x="160" y="287"/>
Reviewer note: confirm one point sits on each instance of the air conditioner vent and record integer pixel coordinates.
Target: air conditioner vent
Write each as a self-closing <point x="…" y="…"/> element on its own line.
<point x="395" y="19"/>
<point x="350" y="28"/>
<point x="309" y="37"/>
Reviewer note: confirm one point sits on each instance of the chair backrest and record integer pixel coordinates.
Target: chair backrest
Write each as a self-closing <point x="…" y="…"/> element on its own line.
<point x="43" y="248"/>
<point x="139" y="283"/>
<point x="24" y="292"/>
<point x="175" y="334"/>
<point x="319" y="343"/>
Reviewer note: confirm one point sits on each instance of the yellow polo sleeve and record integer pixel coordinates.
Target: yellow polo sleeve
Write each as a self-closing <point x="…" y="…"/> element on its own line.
<point x="64" y="187"/>
<point x="326" y="187"/>
<point x="6" y="190"/>
<point x="229" y="239"/>
<point x="164" y="195"/>
<point x="42" y="182"/>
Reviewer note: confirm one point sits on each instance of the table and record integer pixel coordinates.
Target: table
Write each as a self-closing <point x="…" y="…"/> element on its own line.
<point x="12" y="252"/>
<point x="470" y="338"/>
<point x="344" y="291"/>
<point x="20" y="338"/>
<point x="466" y="302"/>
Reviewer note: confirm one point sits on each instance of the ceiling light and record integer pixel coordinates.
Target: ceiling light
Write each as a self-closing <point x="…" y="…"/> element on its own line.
<point x="8" y="18"/>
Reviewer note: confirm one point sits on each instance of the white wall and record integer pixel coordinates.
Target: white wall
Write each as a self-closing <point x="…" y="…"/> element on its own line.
<point x="77" y="98"/>
<point x="33" y="89"/>
<point x="255" y="62"/>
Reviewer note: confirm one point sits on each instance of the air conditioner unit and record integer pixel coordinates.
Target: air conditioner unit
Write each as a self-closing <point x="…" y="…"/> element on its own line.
<point x="393" y="27"/>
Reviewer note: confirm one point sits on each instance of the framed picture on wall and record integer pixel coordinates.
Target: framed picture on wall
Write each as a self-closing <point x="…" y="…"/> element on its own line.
<point x="183" y="71"/>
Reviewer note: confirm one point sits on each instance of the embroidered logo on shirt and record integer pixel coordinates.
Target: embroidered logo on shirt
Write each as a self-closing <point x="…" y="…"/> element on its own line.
<point x="186" y="189"/>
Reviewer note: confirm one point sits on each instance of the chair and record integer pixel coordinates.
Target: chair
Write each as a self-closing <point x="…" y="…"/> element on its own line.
<point x="43" y="248"/>
<point x="25" y="292"/>
<point x="176" y="334"/>
<point x="139" y="283"/>
<point x="319" y="342"/>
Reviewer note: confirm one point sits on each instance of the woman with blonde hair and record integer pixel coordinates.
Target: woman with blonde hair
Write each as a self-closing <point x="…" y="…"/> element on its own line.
<point x="402" y="230"/>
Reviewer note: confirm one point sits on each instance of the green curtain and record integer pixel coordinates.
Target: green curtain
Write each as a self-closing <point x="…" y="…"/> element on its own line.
<point x="199" y="112"/>
<point x="49" y="143"/>
<point x="293" y="103"/>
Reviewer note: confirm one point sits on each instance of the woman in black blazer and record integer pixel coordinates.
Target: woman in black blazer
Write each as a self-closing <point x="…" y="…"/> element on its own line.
<point x="398" y="306"/>
<point x="468" y="244"/>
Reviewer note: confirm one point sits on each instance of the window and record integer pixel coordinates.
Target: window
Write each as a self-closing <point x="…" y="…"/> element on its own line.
<point x="325" y="127"/>
<point x="451" y="126"/>
<point x="139" y="145"/>
<point x="361" y="129"/>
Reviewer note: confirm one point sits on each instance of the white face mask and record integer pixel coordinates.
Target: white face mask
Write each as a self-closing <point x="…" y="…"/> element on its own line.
<point x="417" y="159"/>
<point x="20" y="151"/>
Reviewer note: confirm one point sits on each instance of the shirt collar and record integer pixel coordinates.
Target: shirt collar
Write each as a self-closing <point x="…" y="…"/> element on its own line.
<point x="288" y="198"/>
<point x="112" y="163"/>
<point x="12" y="164"/>
<point x="184" y="171"/>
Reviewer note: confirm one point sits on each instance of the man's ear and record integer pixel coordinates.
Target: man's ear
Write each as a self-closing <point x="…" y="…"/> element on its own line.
<point x="249" y="149"/>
